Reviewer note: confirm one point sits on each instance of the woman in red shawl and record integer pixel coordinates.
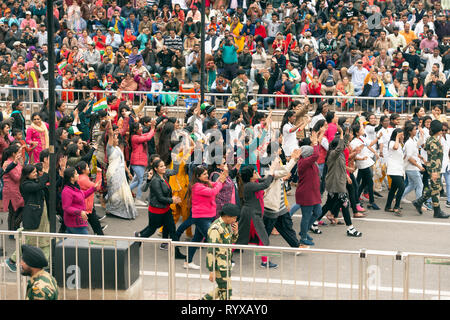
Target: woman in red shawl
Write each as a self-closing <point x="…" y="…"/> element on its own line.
<point x="128" y="36"/>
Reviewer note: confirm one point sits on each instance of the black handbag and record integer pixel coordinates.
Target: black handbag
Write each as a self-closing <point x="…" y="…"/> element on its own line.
<point x="31" y="215"/>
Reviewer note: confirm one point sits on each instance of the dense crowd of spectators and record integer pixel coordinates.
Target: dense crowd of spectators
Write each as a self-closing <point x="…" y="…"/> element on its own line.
<point x="391" y="48"/>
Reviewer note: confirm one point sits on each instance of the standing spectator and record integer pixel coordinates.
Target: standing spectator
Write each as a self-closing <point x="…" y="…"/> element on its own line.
<point x="12" y="199"/>
<point x="395" y="170"/>
<point x="37" y="135"/>
<point x="202" y="197"/>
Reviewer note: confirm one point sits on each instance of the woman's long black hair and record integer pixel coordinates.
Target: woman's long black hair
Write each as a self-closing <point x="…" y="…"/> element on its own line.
<point x="286" y="117"/>
<point x="68" y="174"/>
<point x="395" y="133"/>
<point x="164" y="140"/>
<point x="26" y="171"/>
<point x="8" y="152"/>
<point x="198" y="171"/>
<point x="408" y="129"/>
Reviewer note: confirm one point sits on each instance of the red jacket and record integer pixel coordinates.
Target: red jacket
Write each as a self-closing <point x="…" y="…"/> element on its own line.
<point x="261" y="31"/>
<point x="139" y="148"/>
<point x="308" y="188"/>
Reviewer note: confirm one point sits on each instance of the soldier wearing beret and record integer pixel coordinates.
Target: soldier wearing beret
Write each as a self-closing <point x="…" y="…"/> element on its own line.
<point x="223" y="230"/>
<point x="239" y="87"/>
<point x="42" y="285"/>
<point x="434" y="150"/>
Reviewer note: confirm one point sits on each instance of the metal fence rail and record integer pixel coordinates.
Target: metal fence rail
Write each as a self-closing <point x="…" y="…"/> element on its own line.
<point x="402" y="105"/>
<point x="106" y="267"/>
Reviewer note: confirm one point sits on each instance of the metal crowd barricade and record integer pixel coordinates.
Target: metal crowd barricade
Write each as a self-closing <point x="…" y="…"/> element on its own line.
<point x="34" y="97"/>
<point x="314" y="274"/>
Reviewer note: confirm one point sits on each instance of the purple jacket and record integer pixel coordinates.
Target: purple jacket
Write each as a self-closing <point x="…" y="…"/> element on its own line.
<point x="72" y="204"/>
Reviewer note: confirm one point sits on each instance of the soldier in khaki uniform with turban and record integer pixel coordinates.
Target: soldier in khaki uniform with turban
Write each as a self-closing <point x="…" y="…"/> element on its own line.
<point x="42" y="285"/>
<point x="223" y="230"/>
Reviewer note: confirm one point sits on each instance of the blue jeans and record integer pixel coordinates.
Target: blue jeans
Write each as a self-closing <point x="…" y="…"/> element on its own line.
<point x="309" y="215"/>
<point x="268" y="40"/>
<point x="294" y="209"/>
<point x="138" y="178"/>
<point x="201" y="232"/>
<point x="265" y="102"/>
<point x="190" y="70"/>
<point x="79" y="230"/>
<point x="414" y="183"/>
<point x="186" y="224"/>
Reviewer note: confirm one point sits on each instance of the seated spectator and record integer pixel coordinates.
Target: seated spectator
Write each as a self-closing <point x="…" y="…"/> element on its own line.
<point x="329" y="78"/>
<point x="283" y="86"/>
<point x="266" y="85"/>
<point x="345" y="88"/>
<point x="373" y="87"/>
<point x="415" y="90"/>
<point x="396" y="90"/>
<point x="358" y="75"/>
<point x="308" y="73"/>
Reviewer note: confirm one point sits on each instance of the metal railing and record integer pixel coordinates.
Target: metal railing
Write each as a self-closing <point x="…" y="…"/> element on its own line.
<point x="106" y="267"/>
<point x="349" y="104"/>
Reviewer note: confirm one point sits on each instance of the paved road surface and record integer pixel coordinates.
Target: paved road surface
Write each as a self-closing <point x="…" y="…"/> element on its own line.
<point x="312" y="275"/>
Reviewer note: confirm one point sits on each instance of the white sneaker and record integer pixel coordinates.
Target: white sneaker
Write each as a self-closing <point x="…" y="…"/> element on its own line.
<point x="191" y="266"/>
<point x="406" y="201"/>
<point x="140" y="202"/>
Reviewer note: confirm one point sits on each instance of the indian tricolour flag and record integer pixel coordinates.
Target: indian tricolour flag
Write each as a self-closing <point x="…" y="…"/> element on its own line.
<point x="100" y="105"/>
<point x="62" y="65"/>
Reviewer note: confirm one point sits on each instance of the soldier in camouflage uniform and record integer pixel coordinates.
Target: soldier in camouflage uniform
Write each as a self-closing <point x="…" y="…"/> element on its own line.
<point x="434" y="150"/>
<point x="42" y="285"/>
<point x="223" y="230"/>
<point x="239" y="87"/>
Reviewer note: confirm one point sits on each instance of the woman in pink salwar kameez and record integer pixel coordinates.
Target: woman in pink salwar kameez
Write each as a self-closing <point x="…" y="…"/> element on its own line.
<point x="37" y="134"/>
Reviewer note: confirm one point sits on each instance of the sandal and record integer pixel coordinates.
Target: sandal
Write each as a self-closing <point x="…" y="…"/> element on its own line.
<point x="397" y="212"/>
<point x="388" y="209"/>
<point x="359" y="215"/>
<point x="331" y="219"/>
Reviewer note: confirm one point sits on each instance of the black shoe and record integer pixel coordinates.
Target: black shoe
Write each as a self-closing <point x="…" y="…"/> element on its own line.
<point x="418" y="204"/>
<point x="373" y="206"/>
<point x="178" y="254"/>
<point x="438" y="213"/>
<point x="377" y="194"/>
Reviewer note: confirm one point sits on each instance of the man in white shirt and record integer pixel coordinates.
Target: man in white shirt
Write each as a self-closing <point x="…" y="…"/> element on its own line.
<point x="398" y="41"/>
<point x="435" y="69"/>
<point x="433" y="58"/>
<point x="358" y="75"/>
<point x="113" y="39"/>
<point x="418" y="30"/>
<point x="191" y="62"/>
<point x="41" y="35"/>
<point x="212" y="42"/>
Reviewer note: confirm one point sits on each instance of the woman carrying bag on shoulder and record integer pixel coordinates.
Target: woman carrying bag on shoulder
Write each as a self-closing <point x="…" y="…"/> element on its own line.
<point x="34" y="213"/>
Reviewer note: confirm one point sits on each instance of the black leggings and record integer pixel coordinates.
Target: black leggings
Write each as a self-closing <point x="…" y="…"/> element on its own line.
<point x="14" y="217"/>
<point x="334" y="204"/>
<point x="352" y="193"/>
<point x="397" y="189"/>
<point x="95" y="224"/>
<point x="156" y="221"/>
<point x="366" y="181"/>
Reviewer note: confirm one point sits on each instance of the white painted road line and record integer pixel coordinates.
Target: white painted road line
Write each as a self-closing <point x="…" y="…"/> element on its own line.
<point x="394" y="221"/>
<point x="299" y="283"/>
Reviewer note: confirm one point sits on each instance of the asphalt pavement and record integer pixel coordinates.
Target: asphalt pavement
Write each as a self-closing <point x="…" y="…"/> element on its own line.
<point x="314" y="275"/>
